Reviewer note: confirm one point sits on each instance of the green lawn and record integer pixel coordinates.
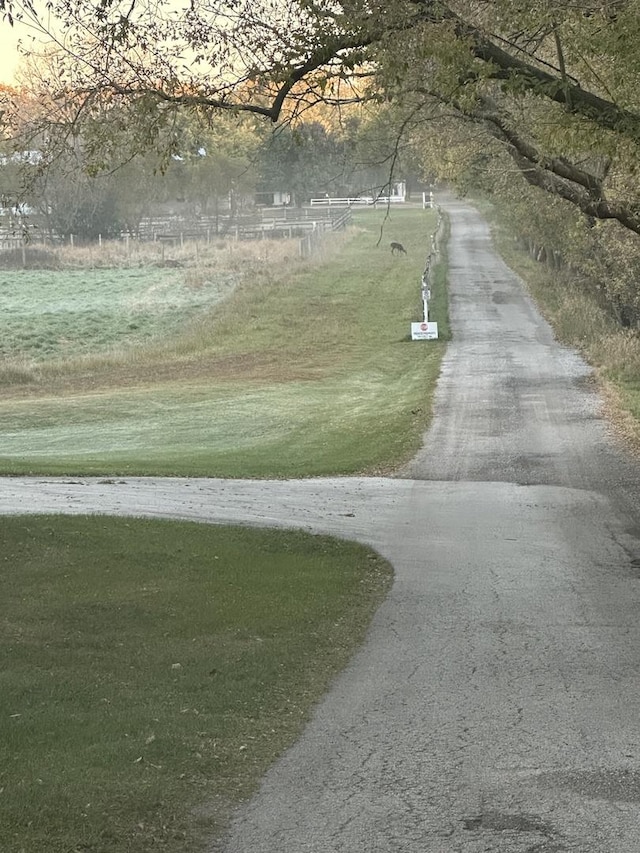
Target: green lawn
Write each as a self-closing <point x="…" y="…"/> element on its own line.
<point x="150" y="671"/>
<point x="304" y="369"/>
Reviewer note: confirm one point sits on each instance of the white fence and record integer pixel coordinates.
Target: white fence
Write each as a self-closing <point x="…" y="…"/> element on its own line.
<point x="359" y="201"/>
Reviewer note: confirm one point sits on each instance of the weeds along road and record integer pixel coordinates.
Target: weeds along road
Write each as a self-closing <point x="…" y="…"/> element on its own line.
<point x="496" y="703"/>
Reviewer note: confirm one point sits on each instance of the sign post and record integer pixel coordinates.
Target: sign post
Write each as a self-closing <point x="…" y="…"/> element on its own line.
<point x="426" y="331"/>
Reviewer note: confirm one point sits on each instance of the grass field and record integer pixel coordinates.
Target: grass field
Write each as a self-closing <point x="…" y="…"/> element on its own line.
<point x="305" y="368"/>
<point x="150" y="671"/>
<point x="50" y="314"/>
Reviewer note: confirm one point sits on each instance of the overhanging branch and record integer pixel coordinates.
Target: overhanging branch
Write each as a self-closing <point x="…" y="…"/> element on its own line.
<point x="527" y="76"/>
<point x="559" y="177"/>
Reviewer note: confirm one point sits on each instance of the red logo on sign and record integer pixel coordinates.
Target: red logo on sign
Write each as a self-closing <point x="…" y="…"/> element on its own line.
<point x="424" y="327"/>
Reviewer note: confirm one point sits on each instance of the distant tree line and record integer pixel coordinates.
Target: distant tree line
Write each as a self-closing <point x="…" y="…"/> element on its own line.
<point x="101" y="174"/>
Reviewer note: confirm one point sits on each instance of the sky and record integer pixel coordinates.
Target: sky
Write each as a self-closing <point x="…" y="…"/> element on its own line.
<point x="8" y="52"/>
<point x="10" y="58"/>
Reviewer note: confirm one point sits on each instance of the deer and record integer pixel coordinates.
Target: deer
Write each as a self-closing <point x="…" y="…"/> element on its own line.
<point x="398" y="247"/>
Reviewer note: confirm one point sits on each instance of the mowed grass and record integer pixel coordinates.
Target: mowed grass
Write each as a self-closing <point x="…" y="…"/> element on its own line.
<point x="150" y="671"/>
<point x="306" y="368"/>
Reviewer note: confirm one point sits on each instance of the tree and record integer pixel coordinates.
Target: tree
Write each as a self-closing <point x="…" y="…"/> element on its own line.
<point x="215" y="161"/>
<point x="304" y="161"/>
<point x="554" y="82"/>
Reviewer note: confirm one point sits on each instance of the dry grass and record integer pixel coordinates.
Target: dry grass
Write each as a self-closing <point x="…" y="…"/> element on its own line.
<point x="122" y="254"/>
<point x="615" y="409"/>
<point x="227" y="254"/>
<point x="19" y="372"/>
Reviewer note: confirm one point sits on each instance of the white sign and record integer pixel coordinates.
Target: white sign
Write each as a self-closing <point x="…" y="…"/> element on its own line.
<point x="424" y="331"/>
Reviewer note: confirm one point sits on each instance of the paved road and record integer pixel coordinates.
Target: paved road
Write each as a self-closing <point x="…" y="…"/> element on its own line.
<point x="496" y="703"/>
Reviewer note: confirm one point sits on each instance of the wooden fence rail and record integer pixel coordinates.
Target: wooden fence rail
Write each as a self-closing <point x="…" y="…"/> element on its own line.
<point x="306" y="224"/>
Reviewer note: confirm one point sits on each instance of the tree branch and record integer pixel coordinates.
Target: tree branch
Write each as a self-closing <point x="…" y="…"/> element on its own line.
<point x="556" y="165"/>
<point x="559" y="177"/>
<point x="528" y="77"/>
